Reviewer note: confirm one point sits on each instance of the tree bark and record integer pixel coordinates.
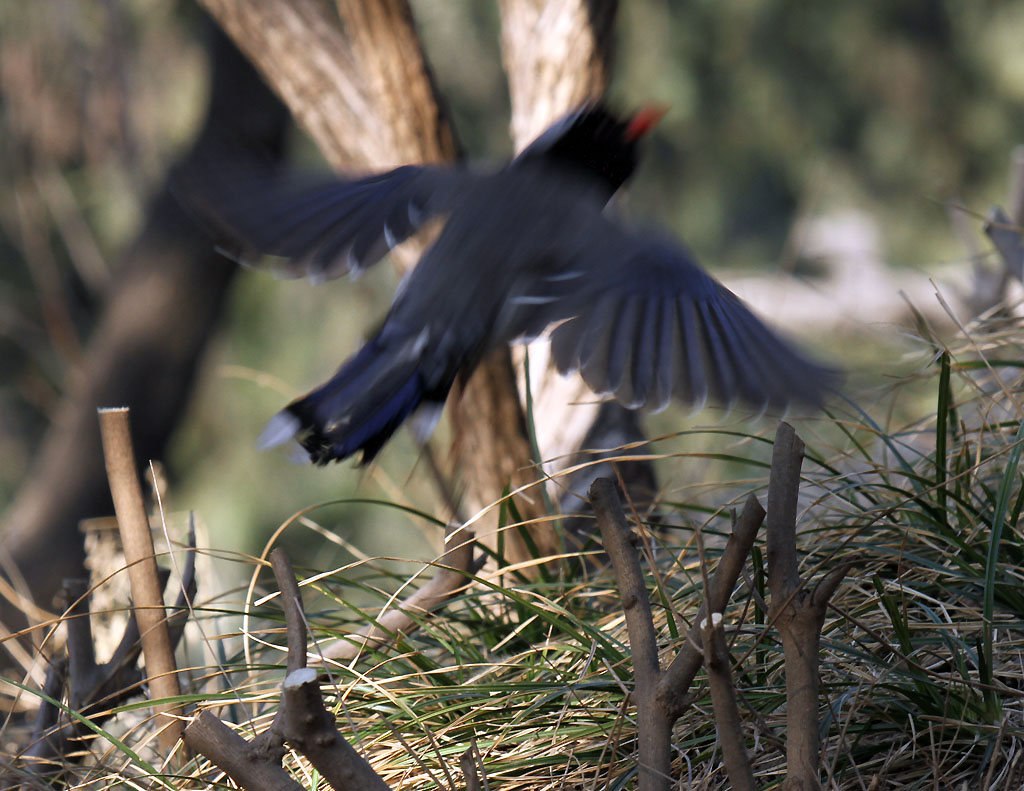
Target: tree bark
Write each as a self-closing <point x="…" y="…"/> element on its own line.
<point x="306" y="58"/>
<point x="557" y="55"/>
<point x="397" y="77"/>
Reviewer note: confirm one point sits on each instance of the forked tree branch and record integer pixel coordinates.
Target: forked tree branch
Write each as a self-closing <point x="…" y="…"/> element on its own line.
<point x="661" y="695"/>
<point x="302" y="720"/>
<point x="797" y="611"/>
<point x="674" y="684"/>
<point x="232" y="754"/>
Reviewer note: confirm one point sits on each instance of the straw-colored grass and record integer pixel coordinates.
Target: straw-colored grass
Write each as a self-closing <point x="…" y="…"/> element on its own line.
<point x="922" y="663"/>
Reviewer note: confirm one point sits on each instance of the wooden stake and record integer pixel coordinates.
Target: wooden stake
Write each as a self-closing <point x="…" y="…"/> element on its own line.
<point x="147" y="594"/>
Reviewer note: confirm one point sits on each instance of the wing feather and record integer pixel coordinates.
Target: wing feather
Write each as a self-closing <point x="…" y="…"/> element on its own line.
<point x="322" y="227"/>
<point x="647" y="322"/>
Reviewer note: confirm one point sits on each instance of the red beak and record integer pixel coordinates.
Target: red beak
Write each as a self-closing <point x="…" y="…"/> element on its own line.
<point x="644" y="121"/>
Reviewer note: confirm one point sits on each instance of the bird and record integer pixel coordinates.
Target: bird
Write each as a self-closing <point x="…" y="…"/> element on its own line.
<point x="523" y="248"/>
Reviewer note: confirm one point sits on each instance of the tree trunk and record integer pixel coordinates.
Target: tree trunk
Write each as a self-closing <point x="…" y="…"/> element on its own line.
<point x="363" y="91"/>
<point x="143" y="353"/>
<point x="558" y="55"/>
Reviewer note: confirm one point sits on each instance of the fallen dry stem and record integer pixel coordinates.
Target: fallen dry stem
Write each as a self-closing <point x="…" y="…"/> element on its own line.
<point x="452" y="573"/>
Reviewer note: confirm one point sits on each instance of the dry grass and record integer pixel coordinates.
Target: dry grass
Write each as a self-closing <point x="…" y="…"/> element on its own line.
<point x="923" y="669"/>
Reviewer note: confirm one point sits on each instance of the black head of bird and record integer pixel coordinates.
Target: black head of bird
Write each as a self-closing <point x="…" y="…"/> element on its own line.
<point x="593" y="141"/>
<point x="522" y="249"/>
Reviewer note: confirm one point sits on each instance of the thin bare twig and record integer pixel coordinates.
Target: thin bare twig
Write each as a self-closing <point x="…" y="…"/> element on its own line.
<point x="291" y="603"/>
<point x="673" y="686"/>
<point x="270" y="743"/>
<point x="82" y="667"/>
<point x="723" y="699"/>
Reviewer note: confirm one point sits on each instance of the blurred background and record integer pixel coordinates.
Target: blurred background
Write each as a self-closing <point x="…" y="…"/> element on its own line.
<point x="789" y="123"/>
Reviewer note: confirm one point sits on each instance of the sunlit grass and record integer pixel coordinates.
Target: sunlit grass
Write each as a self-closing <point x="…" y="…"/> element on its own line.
<point x="922" y="666"/>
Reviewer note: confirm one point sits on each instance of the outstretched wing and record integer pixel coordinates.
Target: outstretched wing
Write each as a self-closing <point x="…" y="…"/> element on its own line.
<point x="648" y="324"/>
<point x="322" y="227"/>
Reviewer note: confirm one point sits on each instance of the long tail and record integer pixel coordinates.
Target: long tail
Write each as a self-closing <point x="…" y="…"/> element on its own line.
<point x="363" y="404"/>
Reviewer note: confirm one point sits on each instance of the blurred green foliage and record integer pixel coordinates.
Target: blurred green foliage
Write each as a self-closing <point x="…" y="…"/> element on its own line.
<point x="779" y="110"/>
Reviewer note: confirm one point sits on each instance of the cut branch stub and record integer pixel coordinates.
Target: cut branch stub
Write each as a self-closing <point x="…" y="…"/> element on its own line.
<point x="780" y="523"/>
<point x="798" y="613"/>
<point x="302" y="720"/>
<point x="673" y="686"/>
<point x="654" y="728"/>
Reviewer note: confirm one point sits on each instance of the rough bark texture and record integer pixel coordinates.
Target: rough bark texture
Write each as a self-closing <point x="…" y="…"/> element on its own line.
<point x="557" y="55"/>
<point x="361" y="90"/>
<point x="143" y="353"/>
<point x="301" y="50"/>
<point x="493" y="452"/>
<point x="396" y="76"/>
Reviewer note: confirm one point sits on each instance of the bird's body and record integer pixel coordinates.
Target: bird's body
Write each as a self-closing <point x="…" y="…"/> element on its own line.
<point x="510" y="260"/>
<point x="521" y="249"/>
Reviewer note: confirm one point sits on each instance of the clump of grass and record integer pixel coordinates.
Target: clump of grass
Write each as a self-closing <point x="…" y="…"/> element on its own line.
<point x="923" y="681"/>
